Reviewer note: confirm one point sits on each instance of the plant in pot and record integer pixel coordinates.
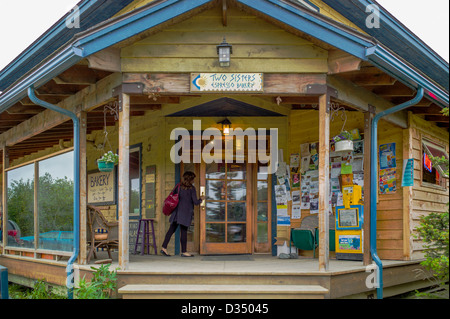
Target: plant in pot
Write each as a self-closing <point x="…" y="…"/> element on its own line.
<point x="107" y="162"/>
<point x="343" y="141"/>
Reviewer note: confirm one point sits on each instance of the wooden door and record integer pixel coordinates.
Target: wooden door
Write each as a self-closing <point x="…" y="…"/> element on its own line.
<point x="226" y="214"/>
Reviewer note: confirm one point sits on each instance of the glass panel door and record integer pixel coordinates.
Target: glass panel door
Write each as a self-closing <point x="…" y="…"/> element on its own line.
<point x="225" y="226"/>
<point x="263" y="200"/>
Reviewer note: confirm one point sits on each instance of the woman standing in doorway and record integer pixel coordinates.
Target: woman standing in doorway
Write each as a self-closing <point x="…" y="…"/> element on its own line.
<point x="183" y="213"/>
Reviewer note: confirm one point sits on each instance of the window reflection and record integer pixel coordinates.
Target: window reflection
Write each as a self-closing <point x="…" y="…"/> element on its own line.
<point x="237" y="211"/>
<point x="215" y="211"/>
<point x="20" y="205"/>
<point x="55" y="202"/>
<point x="135" y="183"/>
<point x="215" y="233"/>
<point x="236" y="233"/>
<point x="215" y="190"/>
<point x="237" y="190"/>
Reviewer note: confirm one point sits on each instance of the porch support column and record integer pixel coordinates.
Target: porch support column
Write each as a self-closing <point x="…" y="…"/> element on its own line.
<point x="368" y="118"/>
<point x="5" y="196"/>
<point x="124" y="184"/>
<point x="83" y="188"/>
<point x="324" y="183"/>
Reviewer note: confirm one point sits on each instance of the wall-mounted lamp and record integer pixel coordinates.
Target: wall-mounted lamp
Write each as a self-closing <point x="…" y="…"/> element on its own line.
<point x="224" y="50"/>
<point x="226" y="124"/>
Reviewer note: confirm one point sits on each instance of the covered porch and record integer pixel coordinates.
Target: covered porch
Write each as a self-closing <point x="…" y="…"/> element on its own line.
<point x="145" y="95"/>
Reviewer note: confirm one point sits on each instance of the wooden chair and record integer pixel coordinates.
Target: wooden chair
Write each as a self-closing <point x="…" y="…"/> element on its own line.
<point x="108" y="240"/>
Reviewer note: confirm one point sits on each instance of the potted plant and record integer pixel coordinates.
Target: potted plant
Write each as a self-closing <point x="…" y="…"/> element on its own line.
<point x="343" y="142"/>
<point x="107" y="162"/>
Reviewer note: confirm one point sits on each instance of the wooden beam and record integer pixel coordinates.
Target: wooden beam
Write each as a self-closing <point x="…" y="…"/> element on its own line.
<point x="324" y="170"/>
<point x="77" y="74"/>
<point x="360" y="98"/>
<point x="368" y="117"/>
<point x="224" y="13"/>
<point x="20" y="108"/>
<point x="83" y="188"/>
<point x="179" y="83"/>
<point x="124" y="180"/>
<point x="431" y="110"/>
<point x="146" y="99"/>
<point x="340" y="61"/>
<point x="106" y="60"/>
<point x="394" y="90"/>
<point x="407" y="195"/>
<point x="373" y="79"/>
<point x="296" y="100"/>
<point x="437" y="118"/>
<point x="88" y="99"/>
<point x="5" y="161"/>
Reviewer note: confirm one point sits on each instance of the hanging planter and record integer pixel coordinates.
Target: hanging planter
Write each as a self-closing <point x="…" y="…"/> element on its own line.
<point x="107" y="162"/>
<point x="343" y="142"/>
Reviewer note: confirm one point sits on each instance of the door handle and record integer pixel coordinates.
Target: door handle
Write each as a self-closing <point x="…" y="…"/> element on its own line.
<point x="202" y="193"/>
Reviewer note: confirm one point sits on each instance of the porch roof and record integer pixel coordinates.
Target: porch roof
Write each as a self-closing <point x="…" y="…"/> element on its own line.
<point x="115" y="31"/>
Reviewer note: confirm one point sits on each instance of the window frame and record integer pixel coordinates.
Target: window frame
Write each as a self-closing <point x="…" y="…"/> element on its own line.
<point x="424" y="142"/>
<point x="35" y="252"/>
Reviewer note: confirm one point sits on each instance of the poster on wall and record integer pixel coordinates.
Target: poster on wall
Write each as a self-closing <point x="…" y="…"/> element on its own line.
<point x="387" y="173"/>
<point x="101" y="188"/>
<point x="388" y="181"/>
<point x="387" y="156"/>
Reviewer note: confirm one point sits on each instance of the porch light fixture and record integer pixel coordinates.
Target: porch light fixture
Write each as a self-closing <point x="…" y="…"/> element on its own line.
<point x="225" y="126"/>
<point x="224" y="50"/>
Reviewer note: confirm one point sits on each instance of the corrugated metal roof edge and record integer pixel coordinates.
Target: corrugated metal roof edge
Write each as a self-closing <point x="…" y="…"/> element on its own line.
<point x="57" y="30"/>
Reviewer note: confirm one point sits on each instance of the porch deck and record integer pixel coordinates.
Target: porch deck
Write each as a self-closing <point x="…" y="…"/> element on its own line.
<point x="151" y="276"/>
<point x="238" y="276"/>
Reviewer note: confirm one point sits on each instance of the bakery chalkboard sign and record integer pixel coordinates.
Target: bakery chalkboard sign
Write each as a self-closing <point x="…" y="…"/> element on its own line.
<point x="101" y="188"/>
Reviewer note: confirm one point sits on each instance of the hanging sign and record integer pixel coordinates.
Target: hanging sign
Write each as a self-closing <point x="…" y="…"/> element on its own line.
<point x="101" y="188"/>
<point x="227" y="82"/>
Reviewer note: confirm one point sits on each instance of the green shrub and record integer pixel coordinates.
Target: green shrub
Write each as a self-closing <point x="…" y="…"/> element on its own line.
<point x="102" y="286"/>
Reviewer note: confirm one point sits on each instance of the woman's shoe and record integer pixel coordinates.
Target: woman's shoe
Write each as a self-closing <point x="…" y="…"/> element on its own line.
<point x="186" y="255"/>
<point x="164" y="253"/>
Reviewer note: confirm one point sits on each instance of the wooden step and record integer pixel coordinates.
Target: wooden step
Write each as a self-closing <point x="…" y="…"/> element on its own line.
<point x="182" y="291"/>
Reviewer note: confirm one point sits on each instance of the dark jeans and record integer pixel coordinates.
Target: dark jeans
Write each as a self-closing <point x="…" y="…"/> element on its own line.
<point x="172" y="229"/>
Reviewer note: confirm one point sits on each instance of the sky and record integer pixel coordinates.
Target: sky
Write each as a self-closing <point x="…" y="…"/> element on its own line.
<point x="22" y="22"/>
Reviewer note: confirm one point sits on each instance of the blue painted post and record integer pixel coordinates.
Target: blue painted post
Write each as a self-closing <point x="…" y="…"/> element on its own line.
<point x="4" y="283"/>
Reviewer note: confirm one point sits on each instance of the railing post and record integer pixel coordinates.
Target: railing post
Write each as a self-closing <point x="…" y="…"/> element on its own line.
<point x="4" y="283"/>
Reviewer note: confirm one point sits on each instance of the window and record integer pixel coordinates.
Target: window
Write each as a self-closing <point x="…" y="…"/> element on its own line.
<point x="135" y="182"/>
<point x="20" y="207"/>
<point x="431" y="173"/>
<point x="49" y="184"/>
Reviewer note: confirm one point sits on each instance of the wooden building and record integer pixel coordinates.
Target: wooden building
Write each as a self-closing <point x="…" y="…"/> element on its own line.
<point x="131" y="79"/>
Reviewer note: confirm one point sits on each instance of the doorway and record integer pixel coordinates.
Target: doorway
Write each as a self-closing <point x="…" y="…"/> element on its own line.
<point x="236" y="216"/>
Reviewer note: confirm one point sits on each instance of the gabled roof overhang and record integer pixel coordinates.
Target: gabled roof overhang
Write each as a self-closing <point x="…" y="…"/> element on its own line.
<point x="350" y="41"/>
<point x="306" y="21"/>
<point x="394" y="35"/>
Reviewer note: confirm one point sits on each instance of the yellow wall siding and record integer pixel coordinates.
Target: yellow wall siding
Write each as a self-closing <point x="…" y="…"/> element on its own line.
<point x="190" y="46"/>
<point x="390" y="235"/>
